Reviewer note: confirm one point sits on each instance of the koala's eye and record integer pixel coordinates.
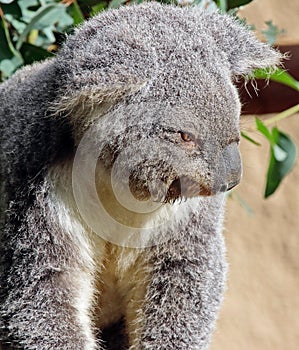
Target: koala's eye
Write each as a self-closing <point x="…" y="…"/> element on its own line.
<point x="187" y="137"/>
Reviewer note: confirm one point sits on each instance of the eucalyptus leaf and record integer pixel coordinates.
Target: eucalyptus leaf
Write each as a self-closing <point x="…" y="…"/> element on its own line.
<point x="9" y="66"/>
<point x="248" y="138"/>
<point x="231" y="4"/>
<point x="280" y="76"/>
<point x="10" y="58"/>
<point x="49" y="34"/>
<point x="114" y="4"/>
<point x="18" y="25"/>
<point x="42" y="12"/>
<point x="279" y="168"/>
<point x="75" y="12"/>
<point x="44" y="17"/>
<point x="207" y="5"/>
<point x="32" y="53"/>
<point x="56" y="17"/>
<point x="26" y="9"/>
<point x="222" y="4"/>
<point x="264" y="130"/>
<point x="98" y="8"/>
<point x="272" y="32"/>
<point x="279" y="154"/>
<point x="12" y="9"/>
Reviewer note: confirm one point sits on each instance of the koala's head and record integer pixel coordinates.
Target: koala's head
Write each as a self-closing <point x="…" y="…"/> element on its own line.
<point x="155" y="85"/>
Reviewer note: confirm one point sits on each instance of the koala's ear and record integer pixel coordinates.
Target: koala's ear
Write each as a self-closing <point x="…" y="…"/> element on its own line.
<point x="92" y="96"/>
<point x="83" y="105"/>
<point x="244" y="52"/>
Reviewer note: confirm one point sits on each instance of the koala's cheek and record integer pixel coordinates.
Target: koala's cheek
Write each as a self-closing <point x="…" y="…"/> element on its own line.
<point x="139" y="188"/>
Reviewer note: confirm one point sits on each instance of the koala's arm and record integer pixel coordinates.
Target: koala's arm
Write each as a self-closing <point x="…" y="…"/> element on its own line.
<point x="186" y="286"/>
<point x="41" y="302"/>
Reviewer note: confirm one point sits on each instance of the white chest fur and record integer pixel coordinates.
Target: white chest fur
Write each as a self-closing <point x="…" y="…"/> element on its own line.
<point x="113" y="276"/>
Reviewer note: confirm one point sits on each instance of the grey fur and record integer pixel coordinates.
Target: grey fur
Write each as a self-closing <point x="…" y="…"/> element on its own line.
<point x="155" y="71"/>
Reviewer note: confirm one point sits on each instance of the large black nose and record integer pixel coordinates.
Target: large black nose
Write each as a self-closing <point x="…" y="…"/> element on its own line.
<point x="232" y="167"/>
<point x="229" y="186"/>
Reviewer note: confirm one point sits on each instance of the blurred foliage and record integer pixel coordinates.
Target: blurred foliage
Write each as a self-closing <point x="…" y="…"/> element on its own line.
<point x="272" y="32"/>
<point x="32" y="30"/>
<point x="282" y="158"/>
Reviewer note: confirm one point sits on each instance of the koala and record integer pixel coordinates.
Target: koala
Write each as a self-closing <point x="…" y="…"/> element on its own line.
<point x="115" y="158"/>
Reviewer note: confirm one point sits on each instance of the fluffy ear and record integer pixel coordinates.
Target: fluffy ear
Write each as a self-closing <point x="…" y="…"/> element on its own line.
<point x="244" y="52"/>
<point x="84" y="105"/>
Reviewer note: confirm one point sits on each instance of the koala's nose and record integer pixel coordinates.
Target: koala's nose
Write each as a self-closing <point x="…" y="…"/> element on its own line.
<point x="232" y="167"/>
<point x="229" y="186"/>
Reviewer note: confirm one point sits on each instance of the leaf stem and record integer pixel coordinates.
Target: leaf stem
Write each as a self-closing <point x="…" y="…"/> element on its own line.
<point x="282" y="115"/>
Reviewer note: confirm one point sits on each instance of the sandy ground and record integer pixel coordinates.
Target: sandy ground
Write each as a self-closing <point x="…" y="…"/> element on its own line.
<point x="261" y="308"/>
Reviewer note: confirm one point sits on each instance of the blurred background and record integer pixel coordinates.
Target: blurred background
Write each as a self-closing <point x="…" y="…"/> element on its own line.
<point x="261" y="307"/>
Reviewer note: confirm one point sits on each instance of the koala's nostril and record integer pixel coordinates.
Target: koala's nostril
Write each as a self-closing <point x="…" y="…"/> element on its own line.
<point x="223" y="188"/>
<point x="231" y="185"/>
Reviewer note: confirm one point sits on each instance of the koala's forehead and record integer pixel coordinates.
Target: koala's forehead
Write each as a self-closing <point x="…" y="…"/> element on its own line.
<point x="201" y="106"/>
<point x="204" y="119"/>
<point x="144" y="42"/>
<point x="169" y="50"/>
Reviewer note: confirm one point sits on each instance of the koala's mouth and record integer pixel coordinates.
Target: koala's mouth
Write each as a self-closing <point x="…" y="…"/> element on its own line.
<point x="181" y="188"/>
<point x="185" y="187"/>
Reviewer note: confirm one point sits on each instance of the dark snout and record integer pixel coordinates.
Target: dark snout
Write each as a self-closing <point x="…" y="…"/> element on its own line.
<point x="224" y="174"/>
<point x="231" y="169"/>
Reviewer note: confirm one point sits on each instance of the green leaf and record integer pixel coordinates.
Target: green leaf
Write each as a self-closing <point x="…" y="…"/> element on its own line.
<point x="56" y="19"/>
<point x="9" y="66"/>
<point x="264" y="130"/>
<point x="272" y="32"/>
<point x="279" y="154"/>
<point x="248" y="138"/>
<point x="222" y="4"/>
<point x="279" y="76"/>
<point x="207" y="5"/>
<point x="98" y="8"/>
<point x="76" y="13"/>
<point x="45" y="17"/>
<point x="275" y="135"/>
<point x="114" y="4"/>
<point x="280" y="166"/>
<point x="237" y="3"/>
<point x="26" y="9"/>
<point x="10" y="58"/>
<point x="43" y="11"/>
<point x="231" y="4"/>
<point x="32" y="53"/>
<point x="18" y="25"/>
<point x="12" y="9"/>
